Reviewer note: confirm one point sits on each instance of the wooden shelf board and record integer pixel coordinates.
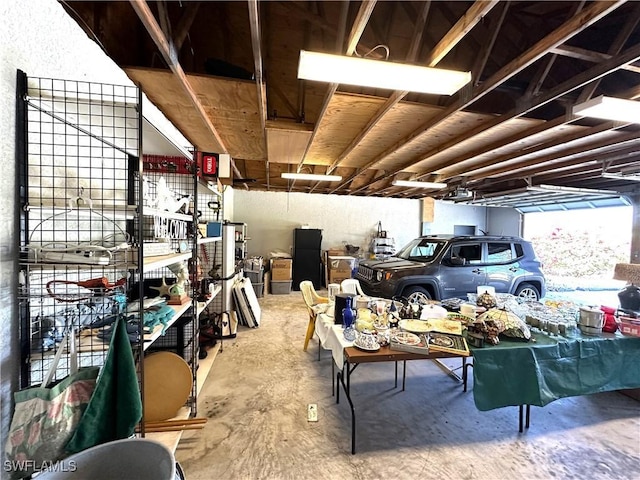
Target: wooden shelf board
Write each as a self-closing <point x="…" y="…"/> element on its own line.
<point x="152" y="263"/>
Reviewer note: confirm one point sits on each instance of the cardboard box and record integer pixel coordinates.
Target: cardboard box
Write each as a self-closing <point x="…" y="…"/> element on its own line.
<point x="337" y="276"/>
<point x="335" y="251"/>
<point x="281" y="269"/>
<point x="341" y="263"/>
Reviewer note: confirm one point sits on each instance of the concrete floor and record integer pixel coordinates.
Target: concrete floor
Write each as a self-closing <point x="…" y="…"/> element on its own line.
<point x="257" y="394"/>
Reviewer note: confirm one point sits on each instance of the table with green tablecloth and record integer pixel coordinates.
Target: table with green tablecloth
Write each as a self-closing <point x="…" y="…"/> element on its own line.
<point x="516" y="373"/>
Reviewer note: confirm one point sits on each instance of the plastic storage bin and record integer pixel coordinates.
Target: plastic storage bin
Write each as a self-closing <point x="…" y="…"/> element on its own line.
<point x="254" y="276"/>
<point x="258" y="288"/>
<point x="280" y="288"/>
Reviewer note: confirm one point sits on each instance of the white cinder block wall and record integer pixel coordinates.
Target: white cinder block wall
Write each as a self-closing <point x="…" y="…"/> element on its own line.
<point x="272" y="216"/>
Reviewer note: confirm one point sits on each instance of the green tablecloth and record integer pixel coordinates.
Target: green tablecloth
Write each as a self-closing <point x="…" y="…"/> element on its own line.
<point x="527" y="373"/>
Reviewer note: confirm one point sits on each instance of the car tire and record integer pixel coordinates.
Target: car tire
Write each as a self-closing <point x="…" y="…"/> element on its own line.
<point x="527" y="291"/>
<point x="416" y="294"/>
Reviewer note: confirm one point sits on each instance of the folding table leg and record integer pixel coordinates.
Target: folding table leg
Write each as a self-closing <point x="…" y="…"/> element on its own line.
<point x="404" y="373"/>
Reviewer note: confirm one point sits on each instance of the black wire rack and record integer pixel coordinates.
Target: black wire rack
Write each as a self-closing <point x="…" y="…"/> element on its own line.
<point x="78" y="145"/>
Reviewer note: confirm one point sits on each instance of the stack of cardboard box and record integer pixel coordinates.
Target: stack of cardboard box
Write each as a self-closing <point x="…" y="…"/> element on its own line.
<point x="339" y="268"/>
<point x="281" y="275"/>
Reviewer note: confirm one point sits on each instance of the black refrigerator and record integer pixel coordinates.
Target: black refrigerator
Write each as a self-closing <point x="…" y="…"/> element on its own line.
<point x="307" y="257"/>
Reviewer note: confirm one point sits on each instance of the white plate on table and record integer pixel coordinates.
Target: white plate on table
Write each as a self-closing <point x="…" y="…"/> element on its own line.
<point x="366" y="348"/>
<point x="406" y="338"/>
<point x="415" y="326"/>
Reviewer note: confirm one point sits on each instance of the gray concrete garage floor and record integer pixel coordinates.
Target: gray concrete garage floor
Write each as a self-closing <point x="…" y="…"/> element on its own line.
<point x="257" y="394"/>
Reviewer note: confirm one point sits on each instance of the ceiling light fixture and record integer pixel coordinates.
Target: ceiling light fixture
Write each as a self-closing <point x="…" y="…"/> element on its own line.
<point x="418" y="184"/>
<point x="365" y="72"/>
<point x="312" y="177"/>
<point x="609" y="108"/>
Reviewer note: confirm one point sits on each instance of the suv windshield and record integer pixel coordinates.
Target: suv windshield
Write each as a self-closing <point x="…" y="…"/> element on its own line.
<point x="421" y="250"/>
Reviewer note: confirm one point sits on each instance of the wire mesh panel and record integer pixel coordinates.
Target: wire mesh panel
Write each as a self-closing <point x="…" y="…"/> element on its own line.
<point x="80" y="143"/>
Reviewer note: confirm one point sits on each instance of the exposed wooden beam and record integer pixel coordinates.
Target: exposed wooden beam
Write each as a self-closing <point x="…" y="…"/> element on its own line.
<point x="570" y="28"/>
<point x="184" y="24"/>
<point x="364" y="13"/>
<point x="615" y="48"/>
<point x="570" y="85"/>
<point x="599" y="148"/>
<point x="545" y="65"/>
<point x="593" y="132"/>
<point x="481" y="61"/>
<point x="463" y="26"/>
<point x="589" y="56"/>
<point x="395" y="96"/>
<point x="471" y="17"/>
<point x="256" y="46"/>
<point x="170" y="55"/>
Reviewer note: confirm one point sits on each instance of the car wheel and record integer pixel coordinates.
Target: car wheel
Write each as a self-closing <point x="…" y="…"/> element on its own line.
<point x="416" y="295"/>
<point x="528" y="292"/>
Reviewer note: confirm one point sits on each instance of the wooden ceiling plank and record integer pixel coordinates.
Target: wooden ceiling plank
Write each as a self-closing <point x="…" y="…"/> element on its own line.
<point x="567" y="30"/>
<point x="471" y="17"/>
<point x="615" y="48"/>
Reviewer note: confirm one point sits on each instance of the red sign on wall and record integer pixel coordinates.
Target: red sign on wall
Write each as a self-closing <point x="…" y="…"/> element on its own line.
<point x="209" y="164"/>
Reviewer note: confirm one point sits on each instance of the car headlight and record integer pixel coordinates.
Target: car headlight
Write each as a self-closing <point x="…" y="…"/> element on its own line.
<point x="378" y="276"/>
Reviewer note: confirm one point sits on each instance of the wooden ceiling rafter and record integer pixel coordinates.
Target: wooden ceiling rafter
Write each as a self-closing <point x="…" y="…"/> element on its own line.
<point x="256" y="46"/>
<point x="170" y="55"/>
<point x="597" y="71"/>
<point x="481" y="62"/>
<point x="569" y="29"/>
<point x="598" y="148"/>
<point x="459" y="30"/>
<point x="395" y="97"/>
<point x="357" y="29"/>
<point x="589" y="56"/>
<point x="615" y="49"/>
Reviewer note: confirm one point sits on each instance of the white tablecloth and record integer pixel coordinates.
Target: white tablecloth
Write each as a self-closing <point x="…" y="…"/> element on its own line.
<point x="331" y="337"/>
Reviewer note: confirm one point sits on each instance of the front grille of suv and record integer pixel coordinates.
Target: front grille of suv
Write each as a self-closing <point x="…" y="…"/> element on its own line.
<point x="365" y="273"/>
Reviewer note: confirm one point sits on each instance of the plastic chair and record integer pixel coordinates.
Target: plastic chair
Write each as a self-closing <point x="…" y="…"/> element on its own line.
<point x="315" y="304"/>
<point x="352" y="285"/>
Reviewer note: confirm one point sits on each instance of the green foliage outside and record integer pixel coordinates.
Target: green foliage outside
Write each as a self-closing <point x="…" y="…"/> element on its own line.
<point x="581" y="253"/>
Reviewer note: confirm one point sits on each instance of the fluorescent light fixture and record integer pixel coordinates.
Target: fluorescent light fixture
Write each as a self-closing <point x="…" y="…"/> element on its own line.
<point x="609" y="108"/>
<point x="365" y="72"/>
<point x="312" y="176"/>
<point x="417" y="184"/>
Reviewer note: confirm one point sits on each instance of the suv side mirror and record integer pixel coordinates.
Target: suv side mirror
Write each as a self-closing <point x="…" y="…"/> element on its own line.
<point x="456" y="261"/>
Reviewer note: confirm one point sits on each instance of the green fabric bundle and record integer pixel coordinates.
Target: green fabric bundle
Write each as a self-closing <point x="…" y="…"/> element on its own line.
<point x="115" y="407"/>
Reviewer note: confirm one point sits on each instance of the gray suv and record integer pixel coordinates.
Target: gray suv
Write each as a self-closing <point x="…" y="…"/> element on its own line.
<point x="444" y="266"/>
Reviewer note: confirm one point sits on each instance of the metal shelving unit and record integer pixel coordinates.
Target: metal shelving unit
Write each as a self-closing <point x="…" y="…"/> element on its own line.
<point x="89" y="211"/>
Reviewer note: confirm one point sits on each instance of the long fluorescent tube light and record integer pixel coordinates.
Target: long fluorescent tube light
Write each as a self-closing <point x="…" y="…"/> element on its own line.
<point x="312" y="176"/>
<point x="417" y="184"/>
<point x="365" y="72"/>
<point x="609" y="108"/>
